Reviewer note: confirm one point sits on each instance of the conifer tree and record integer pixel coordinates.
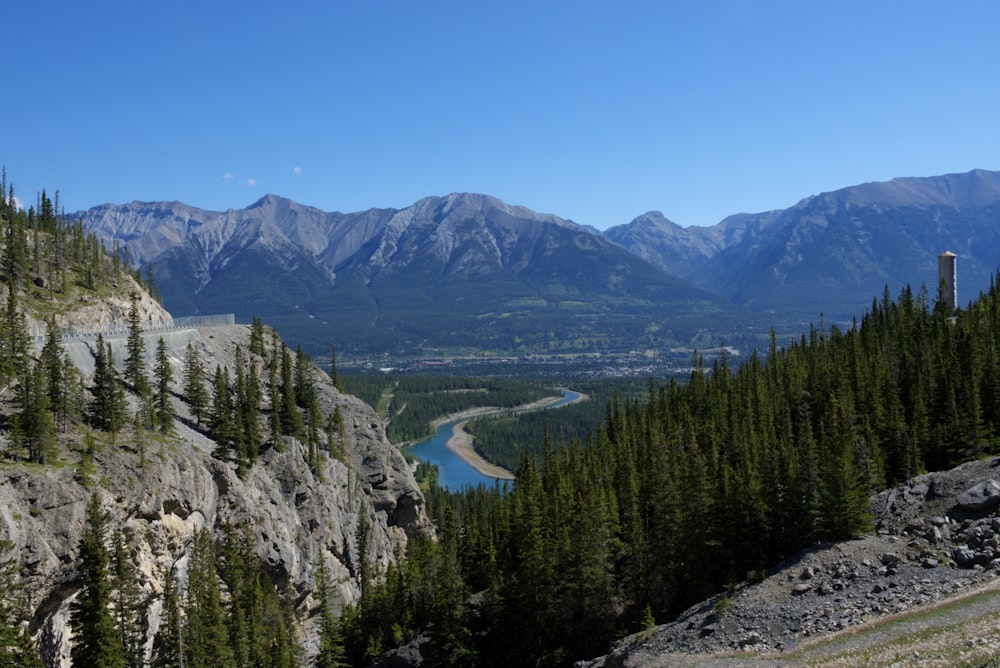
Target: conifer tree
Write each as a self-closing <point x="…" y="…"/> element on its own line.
<point x="334" y="371"/>
<point x="194" y="384"/>
<point x="257" y="337"/>
<point x="164" y="411"/>
<point x="13" y="339"/>
<point x="96" y="639"/>
<point x="274" y="388"/>
<point x="206" y="641"/>
<point x="127" y="603"/>
<point x="15" y="248"/>
<point x="33" y="427"/>
<point x="331" y="640"/>
<point x="220" y="425"/>
<point x="107" y="407"/>
<point x="247" y="412"/>
<point x="16" y="648"/>
<point x="135" y="360"/>
<point x="290" y="418"/>
<point x="57" y="374"/>
<point x="168" y="651"/>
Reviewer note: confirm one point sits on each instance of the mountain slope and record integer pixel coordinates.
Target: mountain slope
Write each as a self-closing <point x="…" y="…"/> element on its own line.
<point x="459" y="272"/>
<point x="834" y="252"/>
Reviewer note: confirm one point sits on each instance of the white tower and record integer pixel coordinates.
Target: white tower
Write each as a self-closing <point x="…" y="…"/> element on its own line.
<point x="948" y="273"/>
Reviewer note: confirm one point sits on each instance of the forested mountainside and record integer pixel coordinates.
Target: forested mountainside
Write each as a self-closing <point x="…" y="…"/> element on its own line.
<point x="673" y="498"/>
<point x="173" y="495"/>
<point x="831" y="252"/>
<point x="469" y="272"/>
<point x="464" y="272"/>
<point x="702" y="485"/>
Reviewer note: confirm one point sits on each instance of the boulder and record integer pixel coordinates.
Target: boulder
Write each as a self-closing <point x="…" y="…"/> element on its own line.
<point x="982" y="497"/>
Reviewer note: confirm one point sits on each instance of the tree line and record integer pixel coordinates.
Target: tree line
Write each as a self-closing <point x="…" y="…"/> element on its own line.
<point x="229" y="613"/>
<point x="417" y="400"/>
<point x="696" y="487"/>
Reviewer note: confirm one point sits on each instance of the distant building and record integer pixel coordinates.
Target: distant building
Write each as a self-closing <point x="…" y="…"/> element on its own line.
<point x="947" y="272"/>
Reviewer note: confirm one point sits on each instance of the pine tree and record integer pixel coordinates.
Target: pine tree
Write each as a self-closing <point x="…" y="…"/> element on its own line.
<point x="206" y="640"/>
<point x="107" y="409"/>
<point x="14" y="344"/>
<point x="168" y="651"/>
<point x="57" y="367"/>
<point x="257" y="337"/>
<point x="33" y="427"/>
<point x="331" y="639"/>
<point x="220" y="425"/>
<point x="164" y="411"/>
<point x="135" y="360"/>
<point x="290" y="418"/>
<point x="16" y="648"/>
<point x="127" y="603"/>
<point x="274" y="388"/>
<point x="15" y="256"/>
<point x="194" y="384"/>
<point x="334" y="371"/>
<point x="96" y="639"/>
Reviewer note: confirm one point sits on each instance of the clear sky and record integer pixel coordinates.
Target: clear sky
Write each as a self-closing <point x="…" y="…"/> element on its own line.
<point x="593" y="111"/>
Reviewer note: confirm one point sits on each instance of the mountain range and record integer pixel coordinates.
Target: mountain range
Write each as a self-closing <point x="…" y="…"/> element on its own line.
<point x="468" y="272"/>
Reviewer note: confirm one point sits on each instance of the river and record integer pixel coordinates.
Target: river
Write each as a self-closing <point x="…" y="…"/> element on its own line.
<point x="454" y="473"/>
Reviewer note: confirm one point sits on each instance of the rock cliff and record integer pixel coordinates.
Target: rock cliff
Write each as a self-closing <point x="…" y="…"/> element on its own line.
<point x="161" y="491"/>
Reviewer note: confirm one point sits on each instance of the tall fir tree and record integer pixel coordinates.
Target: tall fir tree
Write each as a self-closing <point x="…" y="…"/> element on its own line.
<point x="206" y="639"/>
<point x="195" y="394"/>
<point x="168" y="649"/>
<point x="96" y="640"/>
<point x="162" y="403"/>
<point x="135" y="358"/>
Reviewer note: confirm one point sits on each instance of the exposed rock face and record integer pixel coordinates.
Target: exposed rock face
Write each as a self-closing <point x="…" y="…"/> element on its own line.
<point x="162" y="497"/>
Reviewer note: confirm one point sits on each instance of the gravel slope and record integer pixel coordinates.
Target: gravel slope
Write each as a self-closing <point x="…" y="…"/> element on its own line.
<point x="935" y="542"/>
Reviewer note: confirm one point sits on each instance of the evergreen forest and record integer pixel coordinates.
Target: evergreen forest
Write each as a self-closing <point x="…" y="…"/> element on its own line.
<point x="672" y="497"/>
<point x="696" y="487"/>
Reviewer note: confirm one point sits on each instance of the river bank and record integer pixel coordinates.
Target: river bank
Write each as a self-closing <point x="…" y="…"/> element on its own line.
<point x="462" y="443"/>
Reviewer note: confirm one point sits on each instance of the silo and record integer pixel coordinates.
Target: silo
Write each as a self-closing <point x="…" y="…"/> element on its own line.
<point x="947" y="272"/>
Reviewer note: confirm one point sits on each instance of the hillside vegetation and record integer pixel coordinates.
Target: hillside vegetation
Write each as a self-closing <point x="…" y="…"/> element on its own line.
<point x="706" y="483"/>
<point x="173" y="495"/>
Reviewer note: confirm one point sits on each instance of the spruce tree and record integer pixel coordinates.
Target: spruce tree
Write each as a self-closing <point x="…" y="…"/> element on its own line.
<point x="14" y="343"/>
<point x="33" y="427"/>
<point x="206" y="640"/>
<point x="220" y="426"/>
<point x="135" y="359"/>
<point x="257" y="337"/>
<point x="96" y="640"/>
<point x="331" y="639"/>
<point x="290" y="418"/>
<point x="334" y="371"/>
<point x="58" y="381"/>
<point x="16" y="648"/>
<point x="162" y="402"/>
<point x="107" y="409"/>
<point x="127" y="603"/>
<point x="168" y="651"/>
<point x="194" y="384"/>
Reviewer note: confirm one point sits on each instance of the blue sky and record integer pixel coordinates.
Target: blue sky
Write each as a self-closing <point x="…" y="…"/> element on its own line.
<point x="594" y="111"/>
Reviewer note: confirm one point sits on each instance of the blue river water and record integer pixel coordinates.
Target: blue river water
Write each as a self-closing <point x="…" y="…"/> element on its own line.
<point x="454" y="472"/>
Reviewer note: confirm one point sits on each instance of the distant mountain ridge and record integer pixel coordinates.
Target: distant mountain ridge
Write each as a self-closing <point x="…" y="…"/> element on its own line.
<point x="833" y="252"/>
<point x="470" y="271"/>
<point x="458" y="272"/>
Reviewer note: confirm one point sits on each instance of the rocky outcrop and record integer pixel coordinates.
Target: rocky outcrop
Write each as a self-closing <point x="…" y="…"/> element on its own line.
<point x="161" y="492"/>
<point x="936" y="537"/>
